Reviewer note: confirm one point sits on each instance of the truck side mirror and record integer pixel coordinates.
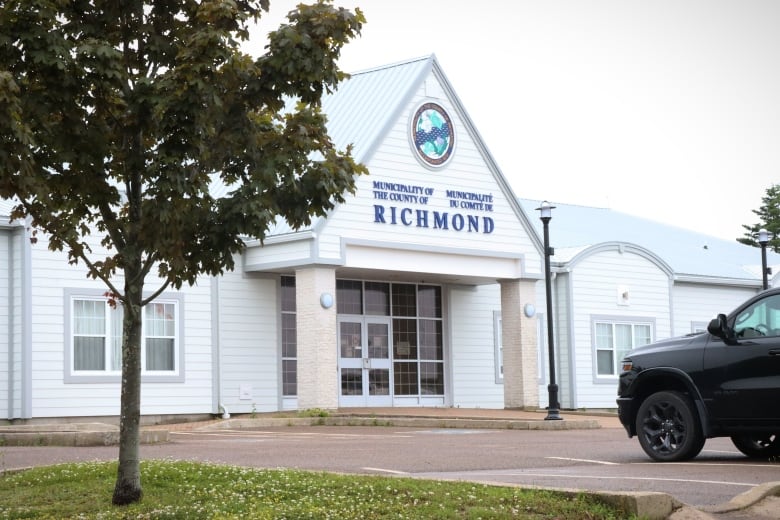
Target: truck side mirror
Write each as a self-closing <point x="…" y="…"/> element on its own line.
<point x="718" y="327"/>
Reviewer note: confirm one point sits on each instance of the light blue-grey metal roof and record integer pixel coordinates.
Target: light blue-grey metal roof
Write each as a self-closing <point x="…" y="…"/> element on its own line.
<point x="575" y="229"/>
<point x="362" y="109"/>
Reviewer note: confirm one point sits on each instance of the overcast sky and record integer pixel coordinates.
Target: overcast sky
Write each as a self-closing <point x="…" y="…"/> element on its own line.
<point x="665" y="109"/>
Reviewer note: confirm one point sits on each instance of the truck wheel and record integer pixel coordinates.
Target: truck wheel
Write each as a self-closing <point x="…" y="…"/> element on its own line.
<point x="759" y="445"/>
<point x="668" y="428"/>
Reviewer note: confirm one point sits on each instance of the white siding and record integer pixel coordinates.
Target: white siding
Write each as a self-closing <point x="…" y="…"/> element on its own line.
<point x="698" y="304"/>
<point x="52" y="397"/>
<point x="249" y="342"/>
<point x="472" y="346"/>
<point x="595" y="282"/>
<point x="277" y="254"/>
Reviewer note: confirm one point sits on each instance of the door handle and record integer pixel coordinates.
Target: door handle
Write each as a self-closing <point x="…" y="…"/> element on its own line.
<point x="774" y="352"/>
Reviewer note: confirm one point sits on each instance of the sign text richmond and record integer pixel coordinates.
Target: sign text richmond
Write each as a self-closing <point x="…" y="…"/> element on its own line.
<point x="395" y="199"/>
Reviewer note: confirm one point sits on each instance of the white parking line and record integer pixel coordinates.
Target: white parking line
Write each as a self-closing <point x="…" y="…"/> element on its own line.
<point x="606" y="463"/>
<point x="704" y="463"/>
<point x="285" y="435"/>
<point x="603" y="477"/>
<point x="394" y="472"/>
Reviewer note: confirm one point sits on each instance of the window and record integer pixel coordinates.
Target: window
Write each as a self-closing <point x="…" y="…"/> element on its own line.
<point x="289" y="338"/>
<point x="760" y="319"/>
<point x="97" y="336"/>
<point x="614" y="339"/>
<point x="160" y="337"/>
<point x="417" y="353"/>
<point x="94" y="336"/>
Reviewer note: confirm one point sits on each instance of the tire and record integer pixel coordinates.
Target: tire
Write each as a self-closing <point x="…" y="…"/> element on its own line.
<point x="758" y="445"/>
<point x="668" y="427"/>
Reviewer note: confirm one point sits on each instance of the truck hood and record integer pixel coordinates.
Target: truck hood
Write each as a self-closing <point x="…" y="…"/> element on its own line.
<point x="666" y="344"/>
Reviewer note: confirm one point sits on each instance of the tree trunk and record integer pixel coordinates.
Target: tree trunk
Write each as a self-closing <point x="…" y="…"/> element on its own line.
<point x="128" y="482"/>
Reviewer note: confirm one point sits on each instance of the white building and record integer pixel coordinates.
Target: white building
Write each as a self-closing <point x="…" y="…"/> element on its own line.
<point x="424" y="289"/>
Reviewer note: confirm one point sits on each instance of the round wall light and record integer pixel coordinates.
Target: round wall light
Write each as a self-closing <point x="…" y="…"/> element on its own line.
<point x="326" y="300"/>
<point x="529" y="310"/>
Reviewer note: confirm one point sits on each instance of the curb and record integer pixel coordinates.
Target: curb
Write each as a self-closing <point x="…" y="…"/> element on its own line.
<point x="744" y="500"/>
<point x="403" y="421"/>
<point x="100" y="434"/>
<point x="73" y="435"/>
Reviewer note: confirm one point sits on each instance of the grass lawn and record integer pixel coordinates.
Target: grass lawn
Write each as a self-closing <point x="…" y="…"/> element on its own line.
<point x="186" y="490"/>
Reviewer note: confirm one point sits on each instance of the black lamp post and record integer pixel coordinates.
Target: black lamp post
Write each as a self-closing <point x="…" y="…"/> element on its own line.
<point x="763" y="239"/>
<point x="553" y="413"/>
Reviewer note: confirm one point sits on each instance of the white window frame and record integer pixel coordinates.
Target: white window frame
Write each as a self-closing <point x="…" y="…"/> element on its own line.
<point x="612" y="321"/>
<point x="107" y="375"/>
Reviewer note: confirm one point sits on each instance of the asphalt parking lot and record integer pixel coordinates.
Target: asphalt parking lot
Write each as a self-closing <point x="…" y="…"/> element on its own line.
<point x="594" y="459"/>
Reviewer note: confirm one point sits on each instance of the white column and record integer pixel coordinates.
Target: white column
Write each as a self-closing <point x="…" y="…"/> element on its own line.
<point x="316" y="331"/>
<point x="519" y="341"/>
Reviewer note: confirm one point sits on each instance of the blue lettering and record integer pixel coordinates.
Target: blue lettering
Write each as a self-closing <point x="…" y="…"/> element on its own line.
<point x="473" y="223"/>
<point x="458" y="222"/>
<point x="379" y="213"/>
<point x="404" y="217"/>
<point x="439" y="220"/>
<point x="422" y="218"/>
<point x="488" y="225"/>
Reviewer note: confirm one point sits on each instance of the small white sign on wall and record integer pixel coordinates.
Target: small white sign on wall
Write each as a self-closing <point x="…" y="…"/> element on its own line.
<point x="623" y="295"/>
<point x="244" y="391"/>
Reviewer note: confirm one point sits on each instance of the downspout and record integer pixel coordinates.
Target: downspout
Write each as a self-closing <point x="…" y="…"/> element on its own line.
<point x="216" y="370"/>
<point x="25" y="254"/>
<point x="11" y="316"/>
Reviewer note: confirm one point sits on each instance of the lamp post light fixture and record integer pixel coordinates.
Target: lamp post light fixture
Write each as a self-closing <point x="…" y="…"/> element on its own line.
<point x="553" y="413"/>
<point x="763" y="239"/>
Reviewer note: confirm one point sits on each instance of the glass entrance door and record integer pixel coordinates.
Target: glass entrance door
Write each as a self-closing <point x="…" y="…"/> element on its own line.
<point x="364" y="362"/>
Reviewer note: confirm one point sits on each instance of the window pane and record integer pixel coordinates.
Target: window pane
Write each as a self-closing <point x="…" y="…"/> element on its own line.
<point x="605" y="362"/>
<point x="378" y="299"/>
<point x="116" y="316"/>
<point x="160" y="319"/>
<point x="405" y="339"/>
<point x="377" y="341"/>
<point x="405" y="378"/>
<point x="432" y="378"/>
<point x="379" y="382"/>
<point x="351" y="381"/>
<point x="159" y="354"/>
<point x="351" y="340"/>
<point x="431" y="340"/>
<point x="89" y="353"/>
<point x="288" y="294"/>
<point x="289" y="336"/>
<point x="289" y="377"/>
<point x="641" y="335"/>
<point x="623" y="336"/>
<point x="603" y="335"/>
<point x="404" y="300"/>
<point x="430" y="300"/>
<point x="89" y="317"/>
<point x="349" y="297"/>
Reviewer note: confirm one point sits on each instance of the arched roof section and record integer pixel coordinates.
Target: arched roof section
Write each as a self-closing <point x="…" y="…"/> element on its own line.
<point x="623" y="247"/>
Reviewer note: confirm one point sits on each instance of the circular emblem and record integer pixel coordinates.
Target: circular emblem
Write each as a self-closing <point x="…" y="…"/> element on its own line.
<point x="433" y="134"/>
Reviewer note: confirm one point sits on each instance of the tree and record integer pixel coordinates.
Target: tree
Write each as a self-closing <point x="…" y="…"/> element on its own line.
<point x="769" y="215"/>
<point x="116" y="118"/>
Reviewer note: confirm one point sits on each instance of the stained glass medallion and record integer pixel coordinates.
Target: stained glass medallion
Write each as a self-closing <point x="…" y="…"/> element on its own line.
<point x="433" y="134"/>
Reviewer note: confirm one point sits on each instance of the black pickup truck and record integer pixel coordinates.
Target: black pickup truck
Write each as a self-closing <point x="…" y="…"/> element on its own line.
<point x="725" y="382"/>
